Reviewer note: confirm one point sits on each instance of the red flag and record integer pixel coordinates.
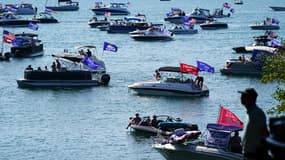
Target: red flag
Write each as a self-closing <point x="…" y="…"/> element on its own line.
<point x="228" y="118"/>
<point x="107" y="14"/>
<point x="8" y="37"/>
<point x="186" y="68"/>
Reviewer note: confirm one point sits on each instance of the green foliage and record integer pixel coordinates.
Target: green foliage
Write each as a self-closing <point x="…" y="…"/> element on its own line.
<point x="274" y="71"/>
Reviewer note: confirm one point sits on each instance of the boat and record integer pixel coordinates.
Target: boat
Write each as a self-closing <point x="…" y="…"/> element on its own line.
<point x="277" y="8"/>
<point x="214" y="147"/>
<point x="19" y="9"/>
<point x="246" y="66"/>
<point x="183" y="29"/>
<point x="165" y="125"/>
<point x="64" y="5"/>
<point x="45" y="17"/>
<point x="113" y="8"/>
<point x="261" y="43"/>
<point x="213" y="25"/>
<point x="268" y="24"/>
<point x="219" y="13"/>
<point x="176" y="15"/>
<point x="200" y="15"/>
<point x="152" y="34"/>
<point x="94" y="22"/>
<point x="27" y="45"/>
<point x="128" y="24"/>
<point x="173" y="82"/>
<point x="8" y="19"/>
<point x="81" y="69"/>
<point x="238" y="2"/>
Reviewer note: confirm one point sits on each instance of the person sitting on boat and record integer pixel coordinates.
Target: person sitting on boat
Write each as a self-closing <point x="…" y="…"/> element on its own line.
<point x="146" y="122"/>
<point x="199" y="81"/>
<point x="134" y="120"/>
<point x="46" y="68"/>
<point x="39" y="69"/>
<point x="58" y="65"/>
<point x="89" y="54"/>
<point x="235" y="143"/>
<point x="29" y="68"/>
<point x="53" y="67"/>
<point x="154" y="121"/>
<point x="157" y="75"/>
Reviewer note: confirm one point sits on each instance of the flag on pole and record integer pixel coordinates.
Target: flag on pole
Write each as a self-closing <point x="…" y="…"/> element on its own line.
<point x="110" y="47"/>
<point x="8" y="37"/>
<point x="205" y="67"/>
<point x="186" y="68"/>
<point x="33" y="26"/>
<point x="228" y="118"/>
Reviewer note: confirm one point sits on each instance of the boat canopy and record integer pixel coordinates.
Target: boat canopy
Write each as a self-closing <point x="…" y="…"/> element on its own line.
<point x="169" y="69"/>
<point x="134" y="19"/>
<point x="85" y="46"/>
<point x="26" y="35"/>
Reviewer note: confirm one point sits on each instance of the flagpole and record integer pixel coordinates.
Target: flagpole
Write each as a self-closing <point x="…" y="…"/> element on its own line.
<point x="219" y="113"/>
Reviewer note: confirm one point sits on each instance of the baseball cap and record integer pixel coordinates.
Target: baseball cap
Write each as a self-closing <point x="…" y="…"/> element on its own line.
<point x="249" y="91"/>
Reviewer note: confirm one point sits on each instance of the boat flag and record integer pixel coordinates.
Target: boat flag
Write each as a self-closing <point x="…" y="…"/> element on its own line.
<point x="110" y="47"/>
<point x="276" y="43"/>
<point x="90" y="63"/>
<point x="228" y="118"/>
<point x="107" y="14"/>
<point x="186" y="68"/>
<point x="205" y="67"/>
<point x="8" y="37"/>
<point x="227" y="5"/>
<point x="192" y="21"/>
<point x="33" y="26"/>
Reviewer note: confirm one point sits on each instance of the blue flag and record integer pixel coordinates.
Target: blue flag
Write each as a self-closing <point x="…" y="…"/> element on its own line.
<point x="205" y="67"/>
<point x="33" y="26"/>
<point x="110" y="47"/>
<point x="90" y="63"/>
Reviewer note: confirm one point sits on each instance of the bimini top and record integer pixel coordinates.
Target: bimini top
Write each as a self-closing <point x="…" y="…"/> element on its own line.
<point x="171" y="69"/>
<point x="87" y="46"/>
<point x="223" y="128"/>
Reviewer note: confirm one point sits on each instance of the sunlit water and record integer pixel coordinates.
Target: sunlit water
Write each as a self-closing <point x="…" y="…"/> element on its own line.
<point x="90" y="123"/>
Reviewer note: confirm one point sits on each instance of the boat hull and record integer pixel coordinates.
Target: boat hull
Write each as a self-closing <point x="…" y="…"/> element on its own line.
<point x="102" y="11"/>
<point x="43" y="20"/>
<point x="23" y="83"/>
<point x="125" y="29"/>
<point x="174" y="19"/>
<point x="264" y="27"/>
<point x="193" y="152"/>
<point x="27" y="51"/>
<point x="151" y="38"/>
<point x="275" y="8"/>
<point x="64" y="8"/>
<point x="17" y="23"/>
<point x="184" y="31"/>
<point x="214" y="26"/>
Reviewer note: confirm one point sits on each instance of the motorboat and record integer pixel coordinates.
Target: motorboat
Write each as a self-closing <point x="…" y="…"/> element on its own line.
<point x="113" y="8"/>
<point x="8" y="19"/>
<point x="200" y="15"/>
<point x="219" y="13"/>
<point x="268" y="24"/>
<point x="214" y="147"/>
<point x="94" y="22"/>
<point x="154" y="33"/>
<point x="45" y="17"/>
<point x="213" y="25"/>
<point x="246" y="66"/>
<point x="176" y="15"/>
<point x="183" y="29"/>
<point x="164" y="125"/>
<point x="261" y="43"/>
<point x="82" y="69"/>
<point x="19" y="9"/>
<point x="103" y="27"/>
<point x="277" y="8"/>
<point x="65" y="5"/>
<point x="27" y="45"/>
<point x="238" y="2"/>
<point x="128" y="24"/>
<point x="173" y="82"/>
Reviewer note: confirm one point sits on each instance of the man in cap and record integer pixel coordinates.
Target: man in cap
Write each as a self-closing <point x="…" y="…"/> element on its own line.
<point x="256" y="129"/>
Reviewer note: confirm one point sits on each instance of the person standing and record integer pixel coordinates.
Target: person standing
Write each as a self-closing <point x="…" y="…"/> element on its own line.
<point x="256" y="129"/>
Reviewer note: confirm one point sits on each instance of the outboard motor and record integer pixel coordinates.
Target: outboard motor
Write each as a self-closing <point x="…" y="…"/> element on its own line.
<point x="105" y="79"/>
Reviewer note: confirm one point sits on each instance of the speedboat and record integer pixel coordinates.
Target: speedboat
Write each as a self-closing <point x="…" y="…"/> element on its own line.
<point x="183" y="29"/>
<point x="219" y="13"/>
<point x="82" y="69"/>
<point x="261" y="43"/>
<point x="213" y="25"/>
<point x="268" y="24"/>
<point x="65" y="5"/>
<point x="277" y="8"/>
<point x="238" y="2"/>
<point x="19" y="9"/>
<point x="153" y="33"/>
<point x="173" y="82"/>
<point x="94" y="22"/>
<point x="200" y="15"/>
<point x="214" y="147"/>
<point x="165" y="125"/>
<point x="44" y="17"/>
<point x="27" y="45"/>
<point x="113" y="8"/>
<point x="10" y="19"/>
<point x="128" y="24"/>
<point x="175" y="16"/>
<point x="245" y="66"/>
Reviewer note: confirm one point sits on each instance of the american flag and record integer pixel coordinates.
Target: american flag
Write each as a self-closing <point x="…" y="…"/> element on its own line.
<point x="8" y="37"/>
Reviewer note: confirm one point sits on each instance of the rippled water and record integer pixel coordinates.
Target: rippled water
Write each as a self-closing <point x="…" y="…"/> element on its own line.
<point x="90" y="123"/>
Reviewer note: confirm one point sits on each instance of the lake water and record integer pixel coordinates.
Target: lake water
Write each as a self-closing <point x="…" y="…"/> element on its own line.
<point x="90" y="123"/>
